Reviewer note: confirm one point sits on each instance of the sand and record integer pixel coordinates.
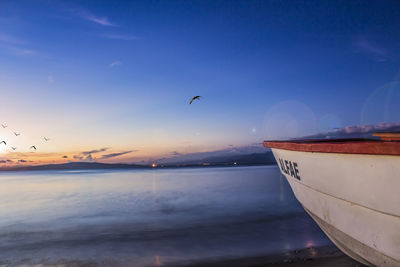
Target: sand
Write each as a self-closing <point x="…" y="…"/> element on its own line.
<point x="328" y="256"/>
<point x="314" y="256"/>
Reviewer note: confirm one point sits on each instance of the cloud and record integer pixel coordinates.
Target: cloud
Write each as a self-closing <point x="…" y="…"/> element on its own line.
<point x="99" y="20"/>
<point x="9" y="39"/>
<point x="89" y="16"/>
<point x="50" y="79"/>
<point x="18" y="51"/>
<point x="77" y="10"/>
<point x="375" y="51"/>
<point x="358" y="131"/>
<point x="64" y="157"/>
<point x="88" y="157"/>
<point x="85" y="153"/>
<point x="114" y="64"/>
<point x="14" y="45"/>
<point x="24" y="161"/>
<point x="174" y="153"/>
<point x="25" y="52"/>
<point x="120" y="37"/>
<point x="369" y="128"/>
<point x="113" y="155"/>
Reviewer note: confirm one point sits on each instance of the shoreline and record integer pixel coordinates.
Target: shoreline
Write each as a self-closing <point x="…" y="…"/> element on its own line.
<point x="122" y="166"/>
<point x="329" y="256"/>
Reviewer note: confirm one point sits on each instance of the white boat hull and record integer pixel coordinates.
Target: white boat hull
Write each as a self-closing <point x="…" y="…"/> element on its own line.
<point x="354" y="198"/>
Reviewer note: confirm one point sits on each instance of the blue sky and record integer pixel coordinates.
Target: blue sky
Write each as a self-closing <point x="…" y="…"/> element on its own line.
<point x="119" y="74"/>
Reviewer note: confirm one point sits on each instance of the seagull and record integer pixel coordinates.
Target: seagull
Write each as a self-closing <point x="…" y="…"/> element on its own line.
<point x="3" y="142"/>
<point x="13" y="148"/>
<point x="16" y="134"/>
<point x="46" y="139"/>
<point x="194" y="98"/>
<point x="33" y="147"/>
<point x="4" y="126"/>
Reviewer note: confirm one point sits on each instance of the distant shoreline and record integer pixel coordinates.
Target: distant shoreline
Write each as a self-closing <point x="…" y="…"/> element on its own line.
<point x="119" y="166"/>
<point x="254" y="159"/>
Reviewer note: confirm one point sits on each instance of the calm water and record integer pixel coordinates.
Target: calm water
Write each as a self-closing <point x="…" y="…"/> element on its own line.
<point x="150" y="217"/>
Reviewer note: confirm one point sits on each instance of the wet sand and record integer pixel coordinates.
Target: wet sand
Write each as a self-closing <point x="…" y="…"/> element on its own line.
<point x="328" y="256"/>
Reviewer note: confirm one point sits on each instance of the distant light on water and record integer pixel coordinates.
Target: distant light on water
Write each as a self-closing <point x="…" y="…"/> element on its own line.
<point x="309" y="243"/>
<point x="157" y="260"/>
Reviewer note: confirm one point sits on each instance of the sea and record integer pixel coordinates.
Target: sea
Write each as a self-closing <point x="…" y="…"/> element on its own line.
<point x="150" y="217"/>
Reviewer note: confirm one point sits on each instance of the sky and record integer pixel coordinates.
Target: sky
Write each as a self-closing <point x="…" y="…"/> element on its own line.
<point x="111" y="81"/>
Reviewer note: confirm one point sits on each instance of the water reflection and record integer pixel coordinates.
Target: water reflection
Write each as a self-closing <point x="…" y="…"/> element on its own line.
<point x="137" y="216"/>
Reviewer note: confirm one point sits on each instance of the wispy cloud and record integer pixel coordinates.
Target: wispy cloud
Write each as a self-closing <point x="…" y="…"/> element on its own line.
<point x="87" y="155"/>
<point x="50" y="79"/>
<point x="89" y="16"/>
<point x="359" y="131"/>
<point x="374" y="50"/>
<point x="78" y="157"/>
<point x="81" y="157"/>
<point x="367" y="128"/>
<point x="99" y="20"/>
<point x="18" y="51"/>
<point x="113" y="155"/>
<point x="24" y="51"/>
<point x="89" y="158"/>
<point x="120" y="37"/>
<point x="24" y="161"/>
<point x="9" y="39"/>
<point x="14" y="45"/>
<point x="114" y="64"/>
<point x="94" y="151"/>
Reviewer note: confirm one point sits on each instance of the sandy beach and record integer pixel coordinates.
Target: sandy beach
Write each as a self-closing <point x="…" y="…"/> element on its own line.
<point x="308" y="257"/>
<point x="328" y="256"/>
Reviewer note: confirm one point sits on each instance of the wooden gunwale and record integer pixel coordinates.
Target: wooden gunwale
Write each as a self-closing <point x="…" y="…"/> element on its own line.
<point x="344" y="146"/>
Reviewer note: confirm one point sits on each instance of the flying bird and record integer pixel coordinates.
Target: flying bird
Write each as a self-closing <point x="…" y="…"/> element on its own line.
<point x="46" y="139"/>
<point x="3" y="142"/>
<point x="13" y="148"/>
<point x="194" y="98"/>
<point x="16" y="134"/>
<point x="4" y="126"/>
<point x="33" y="147"/>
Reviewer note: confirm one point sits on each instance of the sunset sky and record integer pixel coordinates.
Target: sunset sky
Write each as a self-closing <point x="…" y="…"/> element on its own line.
<point x="112" y="81"/>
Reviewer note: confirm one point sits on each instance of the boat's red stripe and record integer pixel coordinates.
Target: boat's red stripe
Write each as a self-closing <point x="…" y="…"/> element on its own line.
<point x="355" y="147"/>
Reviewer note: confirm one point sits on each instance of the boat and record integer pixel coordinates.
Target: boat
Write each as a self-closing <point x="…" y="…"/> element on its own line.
<point x="351" y="188"/>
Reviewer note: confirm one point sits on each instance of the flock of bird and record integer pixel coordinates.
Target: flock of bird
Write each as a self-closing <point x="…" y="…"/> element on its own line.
<point x="197" y="97"/>
<point x="18" y="134"/>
